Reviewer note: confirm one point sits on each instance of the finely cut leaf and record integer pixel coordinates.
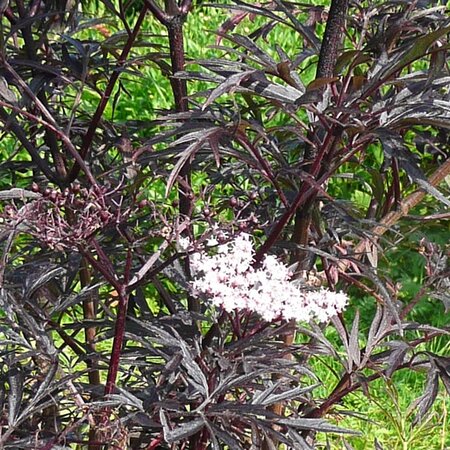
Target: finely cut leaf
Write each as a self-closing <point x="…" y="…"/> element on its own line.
<point x="267" y="398"/>
<point x="42" y="278"/>
<point x="227" y="86"/>
<point x="6" y="93"/>
<point x="200" y="139"/>
<point x="16" y="384"/>
<point x="395" y="148"/>
<point x="353" y="342"/>
<point x="183" y="431"/>
<point x="425" y="402"/>
<point x="396" y="356"/>
<point x="320" y="425"/>
<point x="443" y="366"/>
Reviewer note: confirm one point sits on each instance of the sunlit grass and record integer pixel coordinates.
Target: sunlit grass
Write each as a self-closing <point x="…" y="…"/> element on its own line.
<point x="385" y="412"/>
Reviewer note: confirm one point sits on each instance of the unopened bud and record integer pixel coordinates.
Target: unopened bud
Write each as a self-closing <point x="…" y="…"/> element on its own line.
<point x="221" y="238"/>
<point x="143" y="204"/>
<point x="53" y="196"/>
<point x="104" y="216"/>
<point x="9" y="210"/>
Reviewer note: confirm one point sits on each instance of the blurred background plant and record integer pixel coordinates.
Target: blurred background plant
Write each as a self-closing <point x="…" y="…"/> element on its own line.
<point x="129" y="127"/>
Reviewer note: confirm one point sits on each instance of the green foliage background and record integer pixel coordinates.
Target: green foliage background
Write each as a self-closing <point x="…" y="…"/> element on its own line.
<point x="386" y="413"/>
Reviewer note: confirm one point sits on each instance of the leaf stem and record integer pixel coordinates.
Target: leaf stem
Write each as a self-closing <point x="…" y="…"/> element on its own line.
<point x="90" y="133"/>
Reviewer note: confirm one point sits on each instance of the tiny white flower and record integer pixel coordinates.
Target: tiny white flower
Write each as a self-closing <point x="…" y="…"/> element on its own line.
<point x="212" y="242"/>
<point x="184" y="243"/>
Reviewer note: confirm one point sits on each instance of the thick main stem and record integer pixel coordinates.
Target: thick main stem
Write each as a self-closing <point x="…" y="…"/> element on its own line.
<point x="176" y="42"/>
<point x="179" y="88"/>
<point x="119" y="336"/>
<point x="313" y="158"/>
<point x="325" y="68"/>
<point x="332" y="39"/>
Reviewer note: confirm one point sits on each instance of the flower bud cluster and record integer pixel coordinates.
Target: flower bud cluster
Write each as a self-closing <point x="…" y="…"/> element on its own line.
<point x="230" y="281"/>
<point x="69" y="218"/>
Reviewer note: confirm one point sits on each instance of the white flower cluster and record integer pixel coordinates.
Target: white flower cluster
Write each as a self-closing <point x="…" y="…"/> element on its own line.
<point x="230" y="281"/>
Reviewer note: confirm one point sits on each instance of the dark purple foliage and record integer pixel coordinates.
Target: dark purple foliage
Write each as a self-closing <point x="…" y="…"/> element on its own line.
<point x="103" y="343"/>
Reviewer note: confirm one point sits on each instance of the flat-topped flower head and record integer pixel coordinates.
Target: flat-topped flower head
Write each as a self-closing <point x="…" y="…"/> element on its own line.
<point x="230" y="281"/>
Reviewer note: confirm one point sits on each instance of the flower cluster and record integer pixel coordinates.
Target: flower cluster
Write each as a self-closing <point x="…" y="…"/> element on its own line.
<point x="229" y="280"/>
<point x="68" y="219"/>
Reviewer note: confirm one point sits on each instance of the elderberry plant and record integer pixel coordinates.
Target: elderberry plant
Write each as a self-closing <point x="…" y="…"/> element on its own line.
<point x="171" y="280"/>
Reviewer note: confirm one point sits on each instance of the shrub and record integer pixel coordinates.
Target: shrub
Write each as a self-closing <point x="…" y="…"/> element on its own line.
<point x="315" y="152"/>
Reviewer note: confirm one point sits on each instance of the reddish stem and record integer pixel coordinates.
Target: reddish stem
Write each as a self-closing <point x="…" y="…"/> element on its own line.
<point x="119" y="331"/>
<point x="90" y="133"/>
<point x="154" y="444"/>
<point x="252" y="149"/>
